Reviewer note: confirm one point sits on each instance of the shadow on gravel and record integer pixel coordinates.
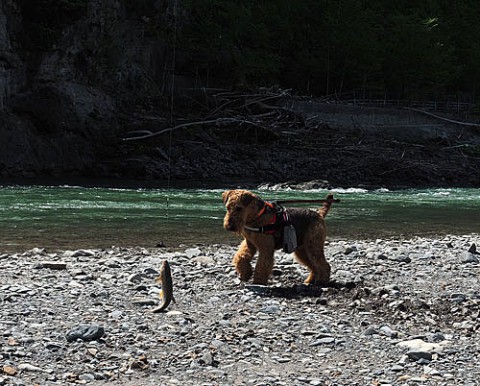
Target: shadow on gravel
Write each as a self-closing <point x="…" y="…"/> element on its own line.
<point x="297" y="290"/>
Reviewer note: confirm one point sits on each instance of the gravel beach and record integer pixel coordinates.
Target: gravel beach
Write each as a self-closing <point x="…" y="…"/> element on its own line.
<point x="398" y="312"/>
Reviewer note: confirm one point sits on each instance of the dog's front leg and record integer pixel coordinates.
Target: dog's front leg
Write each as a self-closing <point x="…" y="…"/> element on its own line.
<point x="243" y="260"/>
<point x="264" y="266"/>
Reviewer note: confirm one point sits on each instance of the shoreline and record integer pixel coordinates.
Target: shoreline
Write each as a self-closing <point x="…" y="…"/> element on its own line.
<point x="130" y="183"/>
<point x="233" y="242"/>
<point x="398" y="311"/>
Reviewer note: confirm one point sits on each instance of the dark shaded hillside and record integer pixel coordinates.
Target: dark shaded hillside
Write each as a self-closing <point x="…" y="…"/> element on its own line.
<point x="77" y="77"/>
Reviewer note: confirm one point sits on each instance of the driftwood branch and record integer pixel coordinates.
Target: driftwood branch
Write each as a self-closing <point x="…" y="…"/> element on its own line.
<point x="147" y="134"/>
<point x="443" y="118"/>
<point x="240" y="110"/>
<point x="281" y="202"/>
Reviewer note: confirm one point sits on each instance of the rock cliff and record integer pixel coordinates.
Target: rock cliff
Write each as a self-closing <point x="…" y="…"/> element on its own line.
<point x="66" y="81"/>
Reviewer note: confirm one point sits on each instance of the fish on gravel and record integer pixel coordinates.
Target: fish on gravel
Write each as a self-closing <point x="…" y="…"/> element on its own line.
<point x="166" y="281"/>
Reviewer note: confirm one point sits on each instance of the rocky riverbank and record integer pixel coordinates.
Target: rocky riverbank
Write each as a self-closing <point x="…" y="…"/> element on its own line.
<point x="399" y="312"/>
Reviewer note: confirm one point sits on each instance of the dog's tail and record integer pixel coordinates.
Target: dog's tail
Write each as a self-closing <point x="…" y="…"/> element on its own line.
<point x="326" y="206"/>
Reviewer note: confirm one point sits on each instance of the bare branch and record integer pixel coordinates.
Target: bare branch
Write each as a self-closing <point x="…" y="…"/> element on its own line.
<point x="239" y="109"/>
<point x="183" y="125"/>
<point x="444" y="119"/>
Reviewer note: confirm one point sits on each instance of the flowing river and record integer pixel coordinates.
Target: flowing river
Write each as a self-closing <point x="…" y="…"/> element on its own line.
<point x="70" y="217"/>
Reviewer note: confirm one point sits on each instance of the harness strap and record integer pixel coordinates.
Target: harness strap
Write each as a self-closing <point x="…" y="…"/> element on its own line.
<point x="273" y="225"/>
<point x="264" y="208"/>
<point x="269" y="228"/>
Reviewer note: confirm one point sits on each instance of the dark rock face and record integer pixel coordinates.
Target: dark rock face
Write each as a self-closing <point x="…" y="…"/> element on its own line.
<point x="59" y="104"/>
<point x="56" y="128"/>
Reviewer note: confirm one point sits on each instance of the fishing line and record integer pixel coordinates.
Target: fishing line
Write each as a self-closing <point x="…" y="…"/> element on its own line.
<point x="172" y="100"/>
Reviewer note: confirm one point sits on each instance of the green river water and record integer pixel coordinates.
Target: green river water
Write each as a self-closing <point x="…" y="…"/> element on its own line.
<point x="78" y="217"/>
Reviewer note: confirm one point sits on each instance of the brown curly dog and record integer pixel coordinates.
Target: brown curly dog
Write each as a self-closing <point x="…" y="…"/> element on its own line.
<point x="256" y="220"/>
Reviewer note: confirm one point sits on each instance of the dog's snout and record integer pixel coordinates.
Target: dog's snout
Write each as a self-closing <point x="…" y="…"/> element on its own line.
<point x="230" y="227"/>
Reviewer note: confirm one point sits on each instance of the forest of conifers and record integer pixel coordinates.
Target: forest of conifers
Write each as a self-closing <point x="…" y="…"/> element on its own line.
<point x="399" y="49"/>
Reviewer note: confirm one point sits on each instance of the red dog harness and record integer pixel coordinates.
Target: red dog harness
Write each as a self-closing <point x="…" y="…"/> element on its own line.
<point x="276" y="222"/>
<point x="279" y="227"/>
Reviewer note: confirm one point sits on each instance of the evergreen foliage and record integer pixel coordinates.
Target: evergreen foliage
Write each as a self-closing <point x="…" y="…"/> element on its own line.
<point x="45" y="19"/>
<point x="402" y="49"/>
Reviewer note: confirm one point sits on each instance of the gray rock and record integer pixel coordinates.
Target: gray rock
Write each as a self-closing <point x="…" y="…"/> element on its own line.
<point x="402" y="259"/>
<point x="207" y="358"/>
<point x="370" y="331"/>
<point x="193" y="252"/>
<point x="469" y="257"/>
<point x="137" y="277"/>
<point x="86" y="332"/>
<point x="387" y="331"/>
<point x="117" y="314"/>
<point x="144" y="301"/>
<point x="318" y="342"/>
<point x="271" y="309"/>
<point x="38" y="251"/>
<point x="29" y="367"/>
<point x="57" y="265"/>
<point x="80" y="253"/>
<point x="203" y="260"/>
<point x="89" y="377"/>
<point x="472" y="249"/>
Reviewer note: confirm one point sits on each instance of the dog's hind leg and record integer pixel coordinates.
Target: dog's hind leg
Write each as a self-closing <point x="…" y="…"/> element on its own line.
<point x="317" y="264"/>
<point x="243" y="260"/>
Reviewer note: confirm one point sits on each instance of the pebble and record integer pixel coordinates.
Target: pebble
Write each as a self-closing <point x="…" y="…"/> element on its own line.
<point x="10" y="370"/>
<point x="399" y="311"/>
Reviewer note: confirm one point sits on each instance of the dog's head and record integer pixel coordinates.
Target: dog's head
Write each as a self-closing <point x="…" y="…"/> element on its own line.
<point x="242" y="208"/>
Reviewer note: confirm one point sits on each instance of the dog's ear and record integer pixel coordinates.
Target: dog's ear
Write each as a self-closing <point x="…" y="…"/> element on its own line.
<point x="225" y="195"/>
<point x="248" y="197"/>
